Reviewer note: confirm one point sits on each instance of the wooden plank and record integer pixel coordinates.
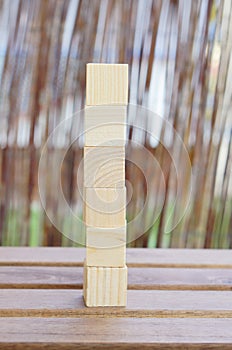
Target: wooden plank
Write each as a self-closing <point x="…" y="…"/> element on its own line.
<point x="106" y="84"/>
<point x="105" y="286"/>
<point x="105" y="207"/>
<point x="104" y="167"/>
<point x="148" y="278"/>
<point x="106" y="246"/>
<point x="117" y="333"/>
<point x="136" y="257"/>
<point x="146" y="303"/>
<point x="105" y="126"/>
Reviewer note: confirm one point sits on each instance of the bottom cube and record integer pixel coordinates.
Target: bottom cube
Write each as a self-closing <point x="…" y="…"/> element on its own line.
<point x="105" y="286"/>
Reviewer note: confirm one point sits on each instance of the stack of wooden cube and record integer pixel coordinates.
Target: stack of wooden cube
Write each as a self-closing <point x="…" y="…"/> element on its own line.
<point x="105" y="271"/>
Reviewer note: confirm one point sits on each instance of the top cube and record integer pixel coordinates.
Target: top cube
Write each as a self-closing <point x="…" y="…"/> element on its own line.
<point x="106" y="84"/>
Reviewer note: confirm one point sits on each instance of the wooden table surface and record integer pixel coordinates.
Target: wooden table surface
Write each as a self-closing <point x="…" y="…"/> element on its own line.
<point x="177" y="299"/>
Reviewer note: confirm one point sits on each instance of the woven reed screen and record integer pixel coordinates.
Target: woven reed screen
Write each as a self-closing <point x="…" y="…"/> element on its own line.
<point x="180" y="69"/>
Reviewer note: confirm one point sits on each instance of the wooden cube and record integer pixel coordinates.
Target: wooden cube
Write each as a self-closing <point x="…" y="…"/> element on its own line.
<point x="104" y="167"/>
<point x="106" y="84"/>
<point x="104" y="207"/>
<point x="105" y="126"/>
<point x="106" y="246"/>
<point x="105" y="286"/>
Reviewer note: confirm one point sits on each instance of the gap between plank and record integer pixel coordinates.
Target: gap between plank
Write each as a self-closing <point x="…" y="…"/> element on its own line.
<point x="131" y="265"/>
<point x="87" y="313"/>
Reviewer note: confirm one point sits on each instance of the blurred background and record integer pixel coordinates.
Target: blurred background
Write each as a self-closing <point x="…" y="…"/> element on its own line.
<point x="180" y="67"/>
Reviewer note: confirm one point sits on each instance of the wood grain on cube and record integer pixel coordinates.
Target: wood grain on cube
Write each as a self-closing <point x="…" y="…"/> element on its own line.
<point x="104" y="167"/>
<point x="105" y="286"/>
<point x="106" y="84"/>
<point x="105" y="126"/>
<point x="105" y="281"/>
<point x="105" y="207"/>
<point x="106" y="246"/>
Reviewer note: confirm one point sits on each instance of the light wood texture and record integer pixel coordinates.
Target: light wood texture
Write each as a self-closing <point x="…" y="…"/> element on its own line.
<point x="106" y="246"/>
<point x="106" y="84"/>
<point x="136" y="257"/>
<point x="115" y="333"/>
<point x="105" y="126"/>
<point x="142" y="303"/>
<point x="104" y="167"/>
<point x="105" y="207"/>
<point x="138" y="278"/>
<point x="105" y="286"/>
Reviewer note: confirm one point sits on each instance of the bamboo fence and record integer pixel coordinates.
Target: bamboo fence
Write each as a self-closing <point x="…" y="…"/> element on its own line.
<point x="180" y="67"/>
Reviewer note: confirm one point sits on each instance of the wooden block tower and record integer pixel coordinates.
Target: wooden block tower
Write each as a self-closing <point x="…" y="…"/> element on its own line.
<point x="105" y="271"/>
